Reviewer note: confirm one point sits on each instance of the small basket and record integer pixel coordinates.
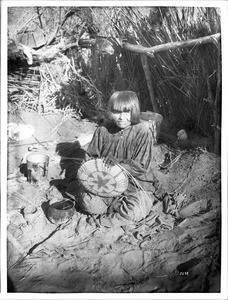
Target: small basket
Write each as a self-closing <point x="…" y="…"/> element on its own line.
<point x="100" y="179"/>
<point x="153" y="121"/>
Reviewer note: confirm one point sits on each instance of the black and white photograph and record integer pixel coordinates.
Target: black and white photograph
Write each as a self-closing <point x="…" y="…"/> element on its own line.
<point x="113" y="150"/>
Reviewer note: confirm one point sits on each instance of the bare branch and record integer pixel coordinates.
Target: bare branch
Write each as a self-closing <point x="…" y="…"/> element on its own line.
<point x="174" y="45"/>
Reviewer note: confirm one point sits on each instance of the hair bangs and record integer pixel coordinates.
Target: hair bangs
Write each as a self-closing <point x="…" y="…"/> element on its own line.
<point x="125" y="101"/>
<point x="121" y="105"/>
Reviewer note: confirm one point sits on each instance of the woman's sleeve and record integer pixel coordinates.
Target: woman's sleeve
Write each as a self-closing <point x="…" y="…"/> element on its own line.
<point x="142" y="154"/>
<point x="95" y="146"/>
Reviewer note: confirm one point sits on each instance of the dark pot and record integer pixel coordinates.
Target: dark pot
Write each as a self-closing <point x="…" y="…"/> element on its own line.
<point x="61" y="211"/>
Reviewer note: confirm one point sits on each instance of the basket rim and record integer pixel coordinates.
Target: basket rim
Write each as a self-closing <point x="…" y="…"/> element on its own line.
<point x="150" y="114"/>
<point x="89" y="182"/>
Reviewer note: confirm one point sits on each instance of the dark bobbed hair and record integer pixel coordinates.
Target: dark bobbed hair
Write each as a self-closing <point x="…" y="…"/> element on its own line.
<point x="125" y="101"/>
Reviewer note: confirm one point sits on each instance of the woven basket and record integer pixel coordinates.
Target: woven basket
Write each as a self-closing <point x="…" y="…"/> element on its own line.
<point x="101" y="179"/>
<point x="153" y="121"/>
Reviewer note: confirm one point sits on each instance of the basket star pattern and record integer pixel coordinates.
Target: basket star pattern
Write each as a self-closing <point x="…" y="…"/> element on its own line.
<point x="101" y="182"/>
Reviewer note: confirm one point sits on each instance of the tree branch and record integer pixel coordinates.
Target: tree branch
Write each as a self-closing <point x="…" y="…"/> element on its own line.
<point x="174" y="45"/>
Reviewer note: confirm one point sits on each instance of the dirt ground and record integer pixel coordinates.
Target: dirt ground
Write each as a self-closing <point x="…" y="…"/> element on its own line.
<point x="175" y="249"/>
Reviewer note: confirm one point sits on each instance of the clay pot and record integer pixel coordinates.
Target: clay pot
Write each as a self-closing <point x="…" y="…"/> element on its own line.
<point x="60" y="212"/>
<point x="182" y="135"/>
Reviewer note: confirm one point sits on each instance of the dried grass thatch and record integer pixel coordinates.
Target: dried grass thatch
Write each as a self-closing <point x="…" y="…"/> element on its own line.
<point x="186" y="82"/>
<point x="184" y="79"/>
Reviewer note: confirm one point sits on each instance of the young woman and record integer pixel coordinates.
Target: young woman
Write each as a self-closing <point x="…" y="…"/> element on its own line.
<point x="122" y="140"/>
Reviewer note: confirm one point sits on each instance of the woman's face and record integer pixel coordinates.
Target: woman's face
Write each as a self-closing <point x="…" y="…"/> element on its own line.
<point x="121" y="118"/>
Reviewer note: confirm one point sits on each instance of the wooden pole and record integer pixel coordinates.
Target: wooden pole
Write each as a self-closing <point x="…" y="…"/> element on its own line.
<point x="174" y="45"/>
<point x="145" y="64"/>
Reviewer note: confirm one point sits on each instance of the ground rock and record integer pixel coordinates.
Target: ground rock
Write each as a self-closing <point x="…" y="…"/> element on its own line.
<point x="150" y="285"/>
<point x="132" y="261"/>
<point x="81" y="257"/>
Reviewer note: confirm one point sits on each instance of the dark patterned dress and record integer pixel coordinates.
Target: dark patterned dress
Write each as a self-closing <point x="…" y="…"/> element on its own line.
<point x="132" y="148"/>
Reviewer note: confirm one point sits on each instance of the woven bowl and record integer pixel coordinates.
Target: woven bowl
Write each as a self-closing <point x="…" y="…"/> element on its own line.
<point x="100" y="179"/>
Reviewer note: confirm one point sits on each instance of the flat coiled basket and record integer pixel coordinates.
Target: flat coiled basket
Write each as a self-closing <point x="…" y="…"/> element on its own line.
<point x="100" y="179"/>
